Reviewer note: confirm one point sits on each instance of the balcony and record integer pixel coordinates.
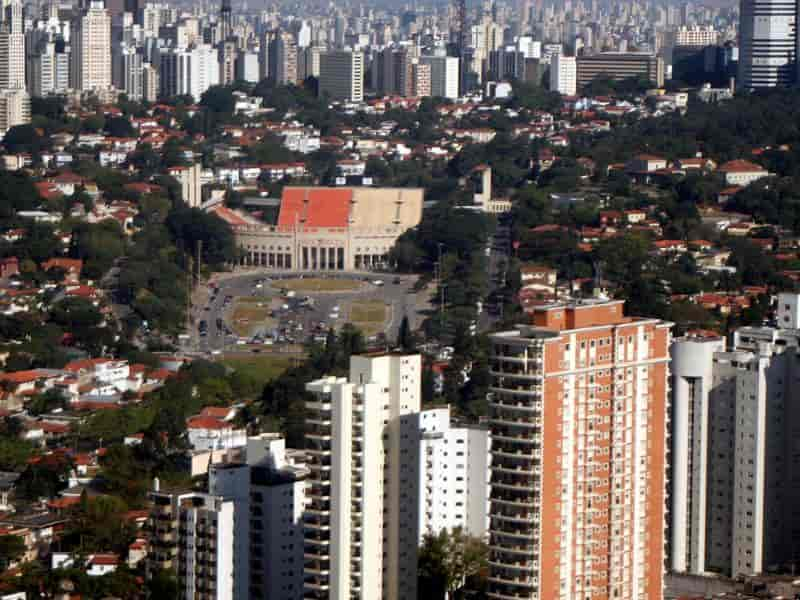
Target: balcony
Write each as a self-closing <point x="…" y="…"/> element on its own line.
<point x="522" y="485"/>
<point x="499" y="403"/>
<point x="527" y="550"/>
<point x="529" y="423"/>
<point x="516" y="533"/>
<point x="507" y="579"/>
<point x="319" y="437"/>
<point x="523" y="517"/>
<point x="528" y="566"/>
<point x="524" y="502"/>
<point x="515" y="438"/>
<point x="515" y="470"/>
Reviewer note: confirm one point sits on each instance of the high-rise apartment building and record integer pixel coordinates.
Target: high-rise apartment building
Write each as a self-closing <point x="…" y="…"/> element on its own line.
<point x="48" y="70"/>
<point x="127" y="72"/>
<point x="91" y="49"/>
<point x="12" y="47"/>
<point x="191" y="534"/>
<point x="277" y="504"/>
<point x="361" y="521"/>
<point x="269" y="499"/>
<point x="188" y="71"/>
<point x="341" y="75"/>
<point x="563" y="75"/>
<point x="15" y="109"/>
<point x="736" y="472"/>
<point x="308" y="62"/>
<point x="444" y="75"/>
<point x="767" y="43"/>
<point x="453" y="475"/>
<point x="243" y="540"/>
<point x="578" y="417"/>
<point x="282" y="57"/>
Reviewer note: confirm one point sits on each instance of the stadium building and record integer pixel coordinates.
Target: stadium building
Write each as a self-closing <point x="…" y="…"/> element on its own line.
<point x="327" y="229"/>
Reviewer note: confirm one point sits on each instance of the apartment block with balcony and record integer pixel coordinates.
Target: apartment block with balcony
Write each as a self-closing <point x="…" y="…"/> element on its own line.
<point x="191" y="534"/>
<point x="736" y="455"/>
<point x="578" y="421"/>
<point x="361" y="521"/>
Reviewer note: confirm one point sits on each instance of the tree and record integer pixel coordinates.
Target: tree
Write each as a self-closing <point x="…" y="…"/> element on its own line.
<point x="219" y="99"/>
<point x="120" y="127"/>
<point x="450" y="561"/>
<point x="405" y="337"/>
<point x="12" y="548"/>
<point x="23" y="138"/>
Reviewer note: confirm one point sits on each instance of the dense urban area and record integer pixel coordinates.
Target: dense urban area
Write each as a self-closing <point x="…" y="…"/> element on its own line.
<point x="355" y="301"/>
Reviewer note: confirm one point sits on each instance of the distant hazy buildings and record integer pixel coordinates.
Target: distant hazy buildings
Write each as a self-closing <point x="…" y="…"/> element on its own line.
<point x="563" y="75"/>
<point x="620" y="65"/>
<point x="341" y="75"/>
<point x="91" y="49"/>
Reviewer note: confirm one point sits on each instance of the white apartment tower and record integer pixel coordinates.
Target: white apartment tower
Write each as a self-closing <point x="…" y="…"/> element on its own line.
<point x="692" y="384"/>
<point x="361" y="521"/>
<point x="453" y="475"/>
<point x="188" y="71"/>
<point x="563" y="75"/>
<point x="277" y="503"/>
<point x="341" y="75"/>
<point x="736" y="483"/>
<point x="91" y="49"/>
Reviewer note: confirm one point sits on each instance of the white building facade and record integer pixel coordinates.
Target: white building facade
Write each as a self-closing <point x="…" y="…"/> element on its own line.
<point x="736" y="412"/>
<point x="454" y="475"/>
<point x="563" y="75"/>
<point x="360" y="539"/>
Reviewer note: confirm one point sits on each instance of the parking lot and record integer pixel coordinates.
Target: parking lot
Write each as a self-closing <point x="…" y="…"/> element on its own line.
<point x="279" y="313"/>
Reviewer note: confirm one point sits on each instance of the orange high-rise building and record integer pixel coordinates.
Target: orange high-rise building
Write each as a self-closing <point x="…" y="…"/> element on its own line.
<point x="579" y="416"/>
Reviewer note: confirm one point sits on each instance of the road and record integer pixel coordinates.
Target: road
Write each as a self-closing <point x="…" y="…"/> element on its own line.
<point x="500" y="248"/>
<point x="211" y="308"/>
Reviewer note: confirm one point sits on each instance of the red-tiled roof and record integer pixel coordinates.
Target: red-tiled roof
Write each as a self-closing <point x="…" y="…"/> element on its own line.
<point x="207" y="423"/>
<point x="741" y="166"/>
<point x="218" y="412"/>
<point x="315" y="207"/>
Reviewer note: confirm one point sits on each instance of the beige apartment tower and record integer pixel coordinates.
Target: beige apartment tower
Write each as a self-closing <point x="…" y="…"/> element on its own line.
<point x="91" y="49"/>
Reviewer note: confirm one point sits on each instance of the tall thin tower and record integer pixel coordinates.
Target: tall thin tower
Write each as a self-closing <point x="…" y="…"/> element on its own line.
<point x="225" y="19"/>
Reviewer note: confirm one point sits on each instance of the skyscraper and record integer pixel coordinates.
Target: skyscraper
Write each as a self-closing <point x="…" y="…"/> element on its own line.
<point x="12" y="47"/>
<point x="91" y="49"/>
<point x="578" y="417"/>
<point x="767" y="43"/>
<point x="361" y="523"/>
<point x="282" y="57"/>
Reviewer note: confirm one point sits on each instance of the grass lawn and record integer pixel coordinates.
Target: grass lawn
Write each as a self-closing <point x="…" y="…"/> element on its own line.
<point x="261" y="367"/>
<point x="248" y="315"/>
<point x="368" y="315"/>
<point x="315" y="284"/>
